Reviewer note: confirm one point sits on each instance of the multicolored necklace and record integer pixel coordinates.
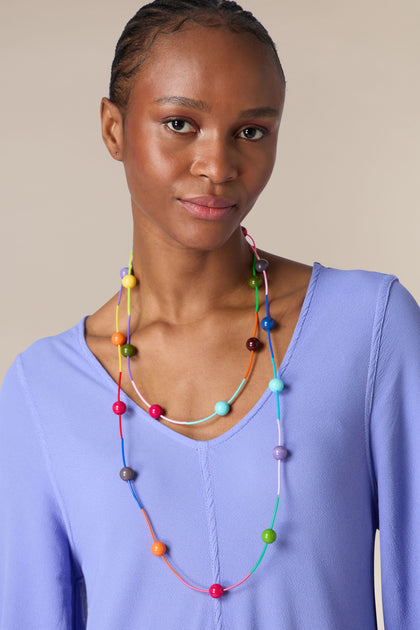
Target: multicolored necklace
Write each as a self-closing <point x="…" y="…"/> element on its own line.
<point x="222" y="408"/>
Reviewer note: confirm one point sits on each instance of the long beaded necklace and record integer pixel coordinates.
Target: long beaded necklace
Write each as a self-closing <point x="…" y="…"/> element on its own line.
<point x="276" y="385"/>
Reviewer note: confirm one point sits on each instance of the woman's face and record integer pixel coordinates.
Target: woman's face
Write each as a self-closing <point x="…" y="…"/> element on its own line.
<point x="200" y="133"/>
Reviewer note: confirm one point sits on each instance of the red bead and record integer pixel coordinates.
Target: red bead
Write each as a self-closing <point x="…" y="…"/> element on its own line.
<point x="244" y="230"/>
<point x="119" y="407"/>
<point x="158" y="548"/>
<point x="216" y="590"/>
<point x="155" y="411"/>
<point x="253" y="343"/>
<point x="118" y="339"/>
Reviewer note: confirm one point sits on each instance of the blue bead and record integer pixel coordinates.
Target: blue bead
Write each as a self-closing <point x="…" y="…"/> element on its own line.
<point x="276" y="385"/>
<point x="123" y="272"/>
<point x="268" y="323"/>
<point x="222" y="408"/>
<point x="279" y="452"/>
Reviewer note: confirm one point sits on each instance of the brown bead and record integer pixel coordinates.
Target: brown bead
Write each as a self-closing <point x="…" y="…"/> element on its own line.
<point x="253" y="343"/>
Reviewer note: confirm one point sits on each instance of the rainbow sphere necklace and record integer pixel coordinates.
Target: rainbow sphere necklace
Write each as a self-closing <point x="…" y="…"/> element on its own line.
<point x="276" y="385"/>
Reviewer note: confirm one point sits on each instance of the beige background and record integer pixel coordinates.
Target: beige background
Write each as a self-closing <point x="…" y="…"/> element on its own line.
<point x="345" y="191"/>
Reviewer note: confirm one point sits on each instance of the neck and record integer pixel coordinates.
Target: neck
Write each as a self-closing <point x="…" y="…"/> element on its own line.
<point x="178" y="284"/>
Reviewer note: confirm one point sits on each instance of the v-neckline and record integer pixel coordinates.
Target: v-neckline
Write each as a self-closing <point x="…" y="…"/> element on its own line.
<point x="238" y="426"/>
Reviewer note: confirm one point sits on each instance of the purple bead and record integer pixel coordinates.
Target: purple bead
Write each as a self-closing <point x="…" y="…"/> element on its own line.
<point x="261" y="265"/>
<point x="123" y="272"/>
<point x="279" y="452"/>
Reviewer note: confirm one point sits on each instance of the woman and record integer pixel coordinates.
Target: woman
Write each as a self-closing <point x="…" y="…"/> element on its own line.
<point x="153" y="481"/>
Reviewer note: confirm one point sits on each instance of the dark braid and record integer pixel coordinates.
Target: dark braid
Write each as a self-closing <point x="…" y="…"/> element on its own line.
<point x="168" y="16"/>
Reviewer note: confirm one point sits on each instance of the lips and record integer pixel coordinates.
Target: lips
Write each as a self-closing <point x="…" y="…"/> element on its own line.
<point x="208" y="207"/>
<point x="210" y="201"/>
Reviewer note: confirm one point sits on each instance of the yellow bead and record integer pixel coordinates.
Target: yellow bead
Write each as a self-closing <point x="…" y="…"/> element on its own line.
<point x="129" y="281"/>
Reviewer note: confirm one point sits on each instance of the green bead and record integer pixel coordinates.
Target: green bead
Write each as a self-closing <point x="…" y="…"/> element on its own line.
<point x="255" y="282"/>
<point x="127" y="350"/>
<point x="269" y="536"/>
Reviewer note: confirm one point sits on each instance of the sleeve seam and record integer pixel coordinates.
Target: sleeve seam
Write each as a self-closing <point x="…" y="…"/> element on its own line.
<point x="377" y="330"/>
<point x="33" y="410"/>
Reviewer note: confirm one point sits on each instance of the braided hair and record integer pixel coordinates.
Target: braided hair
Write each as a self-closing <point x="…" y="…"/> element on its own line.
<point x="168" y="16"/>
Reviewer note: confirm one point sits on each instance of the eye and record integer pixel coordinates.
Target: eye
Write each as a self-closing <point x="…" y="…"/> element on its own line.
<point x="179" y="125"/>
<point x="252" y="133"/>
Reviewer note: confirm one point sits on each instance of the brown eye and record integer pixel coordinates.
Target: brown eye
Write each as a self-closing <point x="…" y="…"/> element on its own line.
<point x="252" y="133"/>
<point x="179" y="126"/>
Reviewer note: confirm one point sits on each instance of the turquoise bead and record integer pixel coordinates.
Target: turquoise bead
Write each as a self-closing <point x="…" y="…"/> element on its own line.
<point x="276" y="385"/>
<point x="222" y="408"/>
<point x="269" y="536"/>
<point x="255" y="282"/>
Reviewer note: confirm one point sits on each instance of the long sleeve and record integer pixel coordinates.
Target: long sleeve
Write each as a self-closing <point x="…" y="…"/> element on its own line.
<point x="39" y="582"/>
<point x="395" y="448"/>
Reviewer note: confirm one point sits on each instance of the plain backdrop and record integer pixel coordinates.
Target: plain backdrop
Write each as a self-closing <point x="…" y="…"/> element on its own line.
<point x="345" y="191"/>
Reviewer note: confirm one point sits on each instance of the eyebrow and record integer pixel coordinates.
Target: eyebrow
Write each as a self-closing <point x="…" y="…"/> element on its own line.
<point x="255" y="112"/>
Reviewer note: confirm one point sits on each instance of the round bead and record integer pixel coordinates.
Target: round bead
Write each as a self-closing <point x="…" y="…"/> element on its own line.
<point x="269" y="536"/>
<point x="127" y="474"/>
<point x="255" y="282"/>
<point x="279" y="452"/>
<point x="276" y="385"/>
<point x="261" y="265"/>
<point x="123" y="272"/>
<point x="119" y="407"/>
<point x="222" y="408"/>
<point x="127" y="350"/>
<point x="129" y="281"/>
<point x="158" y="548"/>
<point x="118" y="339"/>
<point x="253" y="343"/>
<point x="268" y="323"/>
<point x="244" y="230"/>
<point x="155" y="411"/>
<point x="216" y="590"/>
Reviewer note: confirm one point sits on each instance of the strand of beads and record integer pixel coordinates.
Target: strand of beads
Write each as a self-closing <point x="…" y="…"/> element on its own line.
<point x="222" y="407"/>
<point x="276" y="385"/>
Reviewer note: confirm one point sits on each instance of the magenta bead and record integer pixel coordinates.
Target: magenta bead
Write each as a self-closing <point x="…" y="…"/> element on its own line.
<point x="244" y="230"/>
<point x="216" y="590"/>
<point x="155" y="411"/>
<point x="279" y="452"/>
<point x="119" y="407"/>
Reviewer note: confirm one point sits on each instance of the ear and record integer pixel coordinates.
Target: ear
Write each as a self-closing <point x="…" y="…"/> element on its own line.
<point x="112" y="129"/>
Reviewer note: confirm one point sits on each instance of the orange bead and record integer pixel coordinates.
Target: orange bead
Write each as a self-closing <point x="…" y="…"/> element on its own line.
<point x="129" y="281"/>
<point x="118" y="339"/>
<point x="158" y="548"/>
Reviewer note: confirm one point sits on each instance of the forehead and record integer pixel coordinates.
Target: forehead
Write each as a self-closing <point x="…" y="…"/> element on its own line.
<point x="207" y="63"/>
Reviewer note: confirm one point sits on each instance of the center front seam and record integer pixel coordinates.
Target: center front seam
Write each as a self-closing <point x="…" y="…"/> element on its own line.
<point x="212" y="531"/>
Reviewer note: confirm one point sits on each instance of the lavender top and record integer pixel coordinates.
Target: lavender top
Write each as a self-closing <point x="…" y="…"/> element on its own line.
<point x="351" y="421"/>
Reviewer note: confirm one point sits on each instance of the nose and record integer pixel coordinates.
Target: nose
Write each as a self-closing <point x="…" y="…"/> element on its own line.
<point x="215" y="159"/>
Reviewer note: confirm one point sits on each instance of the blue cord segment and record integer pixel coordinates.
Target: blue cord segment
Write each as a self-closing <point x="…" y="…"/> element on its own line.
<point x="134" y="495"/>
<point x="267" y="306"/>
<point x="122" y="451"/>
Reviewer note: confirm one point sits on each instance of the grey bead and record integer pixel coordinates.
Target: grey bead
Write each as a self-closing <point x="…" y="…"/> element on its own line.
<point x="127" y="474"/>
<point x="261" y="265"/>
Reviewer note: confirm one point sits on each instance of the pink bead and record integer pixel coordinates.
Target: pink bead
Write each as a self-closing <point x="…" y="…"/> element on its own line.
<point x="119" y="407"/>
<point x="216" y="590"/>
<point x="244" y="230"/>
<point x="155" y="411"/>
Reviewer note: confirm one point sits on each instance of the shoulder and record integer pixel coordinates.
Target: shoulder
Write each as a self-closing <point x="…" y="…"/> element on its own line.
<point x="48" y="360"/>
